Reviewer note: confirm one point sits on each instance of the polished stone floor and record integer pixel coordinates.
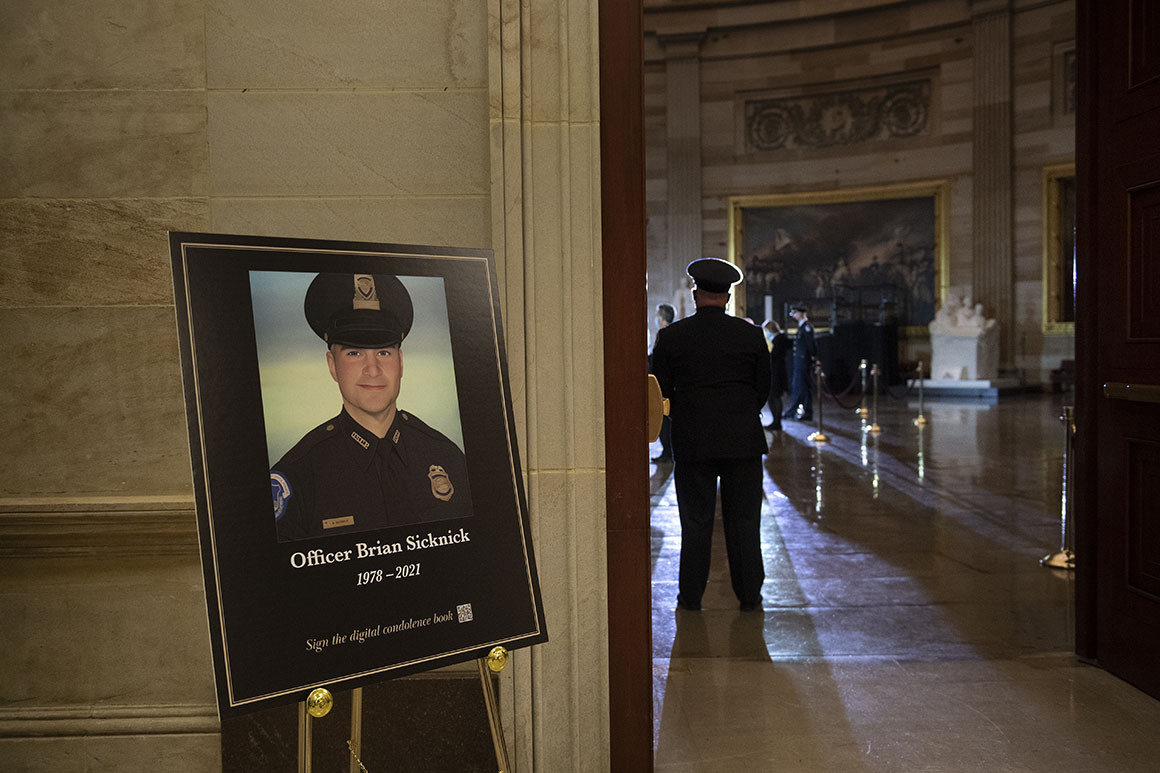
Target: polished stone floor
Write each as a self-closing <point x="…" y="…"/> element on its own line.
<point x="907" y="623"/>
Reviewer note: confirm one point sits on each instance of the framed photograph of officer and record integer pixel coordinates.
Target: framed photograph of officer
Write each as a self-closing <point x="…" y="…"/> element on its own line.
<point x="359" y="498"/>
<point x="376" y="463"/>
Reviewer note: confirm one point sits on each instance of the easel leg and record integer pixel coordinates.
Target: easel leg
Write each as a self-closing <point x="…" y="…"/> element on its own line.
<point x="304" y="728"/>
<point x="501" y="755"/>
<point x="355" y="741"/>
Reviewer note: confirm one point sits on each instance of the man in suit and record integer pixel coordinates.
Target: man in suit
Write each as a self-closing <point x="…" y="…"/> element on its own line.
<point x="665" y="316"/>
<point x="779" y="347"/>
<point x="714" y="369"/>
<point x="805" y="349"/>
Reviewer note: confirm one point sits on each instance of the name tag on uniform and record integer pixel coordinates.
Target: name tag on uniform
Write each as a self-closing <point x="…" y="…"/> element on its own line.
<point x="334" y="523"/>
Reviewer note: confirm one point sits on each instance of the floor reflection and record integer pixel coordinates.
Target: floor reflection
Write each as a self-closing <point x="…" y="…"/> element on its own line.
<point x="907" y="623"/>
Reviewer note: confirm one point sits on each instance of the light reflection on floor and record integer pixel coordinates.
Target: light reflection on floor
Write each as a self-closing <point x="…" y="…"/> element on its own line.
<point x="906" y="623"/>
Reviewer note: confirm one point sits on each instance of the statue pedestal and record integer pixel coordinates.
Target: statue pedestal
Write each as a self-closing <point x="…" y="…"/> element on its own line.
<point x="972" y="357"/>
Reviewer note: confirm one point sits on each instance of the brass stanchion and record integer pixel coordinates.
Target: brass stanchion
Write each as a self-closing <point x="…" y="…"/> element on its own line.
<point x="874" y="428"/>
<point x="921" y="452"/>
<point x="494" y="662"/>
<point x="817" y="435"/>
<point x="1064" y="558"/>
<point x="920" y="419"/>
<point x="862" y="410"/>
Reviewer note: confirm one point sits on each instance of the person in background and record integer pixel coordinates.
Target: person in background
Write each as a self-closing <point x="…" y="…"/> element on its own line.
<point x="779" y="347"/>
<point x="805" y="350"/>
<point x="664" y="318"/>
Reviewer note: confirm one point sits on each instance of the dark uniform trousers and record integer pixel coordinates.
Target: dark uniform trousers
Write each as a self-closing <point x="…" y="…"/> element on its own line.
<point x="741" y="495"/>
<point x="715" y="370"/>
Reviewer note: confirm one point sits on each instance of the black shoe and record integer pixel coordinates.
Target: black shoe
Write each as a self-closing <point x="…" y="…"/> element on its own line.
<point x="682" y="604"/>
<point x="662" y="459"/>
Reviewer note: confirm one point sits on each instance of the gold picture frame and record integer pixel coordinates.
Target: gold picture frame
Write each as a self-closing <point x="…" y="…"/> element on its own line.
<point x="1053" y="249"/>
<point x="938" y="191"/>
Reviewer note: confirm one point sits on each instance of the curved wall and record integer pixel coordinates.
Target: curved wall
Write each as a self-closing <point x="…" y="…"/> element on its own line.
<point x="996" y="117"/>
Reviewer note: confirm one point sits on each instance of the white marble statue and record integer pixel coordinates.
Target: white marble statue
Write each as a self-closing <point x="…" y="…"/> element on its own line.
<point x="964" y="343"/>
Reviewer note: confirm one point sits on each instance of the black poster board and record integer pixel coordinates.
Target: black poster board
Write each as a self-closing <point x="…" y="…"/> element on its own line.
<point x="361" y="600"/>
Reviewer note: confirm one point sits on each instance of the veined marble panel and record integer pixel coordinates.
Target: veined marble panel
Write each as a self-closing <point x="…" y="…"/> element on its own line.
<point x="119" y="753"/>
<point x="81" y="144"/>
<point x="302" y="144"/>
<point x="355" y="43"/>
<point x="93" y="403"/>
<point x="86" y="252"/>
<point x="562" y="88"/>
<point x="109" y="634"/>
<point x="102" y="44"/>
<point x="461" y="221"/>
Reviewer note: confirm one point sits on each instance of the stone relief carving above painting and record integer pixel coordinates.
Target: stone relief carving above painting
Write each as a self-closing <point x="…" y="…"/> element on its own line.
<point x="838" y="118"/>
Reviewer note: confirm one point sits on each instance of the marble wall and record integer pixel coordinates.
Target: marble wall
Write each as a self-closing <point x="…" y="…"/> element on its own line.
<point x="772" y="51"/>
<point x="450" y="122"/>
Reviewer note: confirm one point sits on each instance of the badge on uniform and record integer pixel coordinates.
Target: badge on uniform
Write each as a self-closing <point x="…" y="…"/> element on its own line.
<point x="280" y="489"/>
<point x="441" y="487"/>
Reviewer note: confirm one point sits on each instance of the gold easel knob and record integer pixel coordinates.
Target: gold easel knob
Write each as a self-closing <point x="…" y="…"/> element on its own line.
<point x="319" y="702"/>
<point x="497" y="659"/>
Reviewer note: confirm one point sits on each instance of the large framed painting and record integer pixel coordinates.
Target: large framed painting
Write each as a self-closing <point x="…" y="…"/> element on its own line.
<point x="360" y="502"/>
<point x="874" y="255"/>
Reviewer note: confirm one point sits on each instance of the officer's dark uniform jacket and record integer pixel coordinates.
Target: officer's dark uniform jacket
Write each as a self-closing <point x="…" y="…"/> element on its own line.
<point x="341" y="478"/>
<point x="805" y="347"/>
<point x="714" y="369"/>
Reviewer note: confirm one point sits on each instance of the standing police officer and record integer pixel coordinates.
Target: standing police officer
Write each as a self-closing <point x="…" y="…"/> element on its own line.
<point x="714" y="368"/>
<point x="373" y="465"/>
<point x="805" y="349"/>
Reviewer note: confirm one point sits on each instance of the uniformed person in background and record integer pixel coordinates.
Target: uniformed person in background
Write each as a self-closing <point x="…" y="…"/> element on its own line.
<point x="373" y="465"/>
<point x="805" y="349"/>
<point x="714" y="368"/>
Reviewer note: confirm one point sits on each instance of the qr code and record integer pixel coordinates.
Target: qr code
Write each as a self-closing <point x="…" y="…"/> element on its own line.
<point x="464" y="611"/>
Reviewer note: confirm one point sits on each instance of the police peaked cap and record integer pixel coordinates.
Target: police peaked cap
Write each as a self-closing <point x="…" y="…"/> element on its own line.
<point x="362" y="310"/>
<point x="713" y="274"/>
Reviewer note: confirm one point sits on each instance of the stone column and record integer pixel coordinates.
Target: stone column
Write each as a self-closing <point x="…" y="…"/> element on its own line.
<point x="682" y="164"/>
<point x="993" y="213"/>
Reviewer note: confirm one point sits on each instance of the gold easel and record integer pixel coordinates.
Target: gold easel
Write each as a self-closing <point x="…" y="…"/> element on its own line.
<point x="320" y="701"/>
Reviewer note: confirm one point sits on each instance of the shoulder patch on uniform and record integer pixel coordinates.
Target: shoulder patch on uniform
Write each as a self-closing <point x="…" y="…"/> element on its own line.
<point x="281" y="491"/>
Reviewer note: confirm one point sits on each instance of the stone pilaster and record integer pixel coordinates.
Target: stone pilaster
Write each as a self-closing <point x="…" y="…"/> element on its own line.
<point x="682" y="164"/>
<point x="993" y="212"/>
<point x="545" y="141"/>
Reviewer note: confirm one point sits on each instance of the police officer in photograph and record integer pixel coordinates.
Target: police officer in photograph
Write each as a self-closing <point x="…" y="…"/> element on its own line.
<point x="714" y="368"/>
<point x="805" y="350"/>
<point x="373" y="465"/>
